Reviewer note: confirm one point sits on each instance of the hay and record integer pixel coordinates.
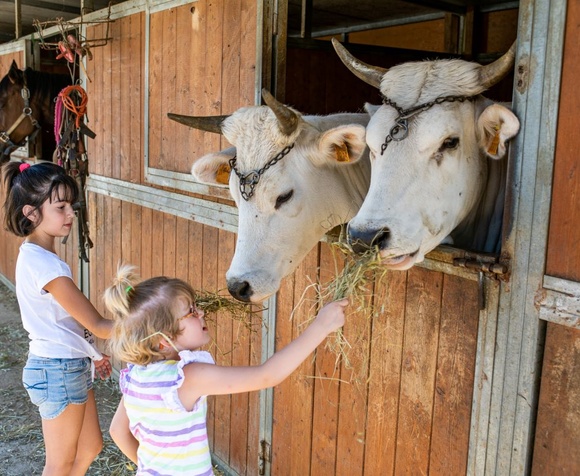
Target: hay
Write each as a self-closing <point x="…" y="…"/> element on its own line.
<point x="355" y="278"/>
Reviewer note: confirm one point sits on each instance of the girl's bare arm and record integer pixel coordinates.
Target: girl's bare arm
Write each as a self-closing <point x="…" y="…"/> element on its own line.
<point x="207" y="379"/>
<point x="121" y="434"/>
<point x="65" y="291"/>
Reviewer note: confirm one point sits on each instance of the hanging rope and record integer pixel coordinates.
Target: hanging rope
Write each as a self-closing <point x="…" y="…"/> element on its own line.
<point x="76" y="105"/>
<point x="69" y="130"/>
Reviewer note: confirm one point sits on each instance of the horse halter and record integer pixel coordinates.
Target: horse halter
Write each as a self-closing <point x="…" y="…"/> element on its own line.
<point x="401" y="128"/>
<point x="26" y="112"/>
<point x="251" y="179"/>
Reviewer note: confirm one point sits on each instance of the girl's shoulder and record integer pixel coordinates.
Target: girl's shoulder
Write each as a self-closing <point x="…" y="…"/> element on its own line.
<point x="192" y="356"/>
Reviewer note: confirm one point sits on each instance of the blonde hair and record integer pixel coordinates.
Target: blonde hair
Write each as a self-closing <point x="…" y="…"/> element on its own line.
<point x="143" y="313"/>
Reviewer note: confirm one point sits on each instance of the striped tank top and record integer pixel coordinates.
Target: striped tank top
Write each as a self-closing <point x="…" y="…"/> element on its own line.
<point x="172" y="440"/>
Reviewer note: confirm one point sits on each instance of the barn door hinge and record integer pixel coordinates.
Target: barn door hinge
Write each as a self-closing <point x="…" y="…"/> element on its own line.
<point x="265" y="456"/>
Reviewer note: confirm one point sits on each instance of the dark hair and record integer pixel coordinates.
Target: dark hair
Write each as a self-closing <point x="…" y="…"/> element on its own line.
<point x="32" y="186"/>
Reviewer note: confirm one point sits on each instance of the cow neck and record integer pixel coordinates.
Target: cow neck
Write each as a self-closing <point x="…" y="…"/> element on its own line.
<point x="249" y="181"/>
<point x="401" y="128"/>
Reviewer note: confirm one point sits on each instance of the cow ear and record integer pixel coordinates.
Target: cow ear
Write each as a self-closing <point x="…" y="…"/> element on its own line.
<point x="214" y="168"/>
<point x="344" y="144"/>
<point x="496" y="125"/>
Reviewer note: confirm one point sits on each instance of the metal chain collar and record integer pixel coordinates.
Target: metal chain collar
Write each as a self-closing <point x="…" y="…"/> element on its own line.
<point x="251" y="179"/>
<point x="401" y="128"/>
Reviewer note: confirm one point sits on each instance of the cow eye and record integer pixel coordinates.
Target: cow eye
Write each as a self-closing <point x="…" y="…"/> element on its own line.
<point x="283" y="199"/>
<point x="450" y="143"/>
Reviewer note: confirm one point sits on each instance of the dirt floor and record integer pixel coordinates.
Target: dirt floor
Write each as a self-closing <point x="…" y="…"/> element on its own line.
<point x="21" y="445"/>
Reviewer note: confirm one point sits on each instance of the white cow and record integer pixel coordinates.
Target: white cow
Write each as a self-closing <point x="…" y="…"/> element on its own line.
<point x="434" y="145"/>
<point x="296" y="177"/>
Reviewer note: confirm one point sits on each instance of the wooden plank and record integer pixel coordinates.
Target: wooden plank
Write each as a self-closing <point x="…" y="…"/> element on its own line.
<point x="184" y="67"/>
<point x="327" y="386"/>
<point x="352" y="408"/>
<point x="167" y="75"/>
<point x="209" y="279"/>
<point x="563" y="257"/>
<point x="418" y="371"/>
<point x="123" y="124"/>
<point x="385" y="373"/>
<point x="223" y="351"/>
<point x="455" y="377"/>
<point x="155" y="87"/>
<point x="293" y="398"/>
<point x="157" y="237"/>
<point x="558" y="425"/>
<point x="146" y="242"/>
<point x="136" y="103"/>
<point x="169" y="244"/>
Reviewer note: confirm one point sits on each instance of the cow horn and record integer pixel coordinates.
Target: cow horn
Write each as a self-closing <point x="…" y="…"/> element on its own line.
<point x="492" y="73"/>
<point x="369" y="74"/>
<point x="203" y="123"/>
<point x="287" y="118"/>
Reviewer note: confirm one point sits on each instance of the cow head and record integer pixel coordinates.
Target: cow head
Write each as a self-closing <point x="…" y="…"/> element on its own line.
<point x="294" y="180"/>
<point x="429" y="146"/>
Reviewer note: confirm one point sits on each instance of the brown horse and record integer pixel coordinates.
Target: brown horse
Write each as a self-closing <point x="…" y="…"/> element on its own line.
<point x="27" y="108"/>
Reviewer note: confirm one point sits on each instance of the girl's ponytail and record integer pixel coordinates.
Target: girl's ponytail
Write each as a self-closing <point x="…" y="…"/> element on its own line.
<point x="117" y="297"/>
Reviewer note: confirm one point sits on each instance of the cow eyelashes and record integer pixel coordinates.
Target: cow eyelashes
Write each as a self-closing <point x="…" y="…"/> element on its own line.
<point x="283" y="199"/>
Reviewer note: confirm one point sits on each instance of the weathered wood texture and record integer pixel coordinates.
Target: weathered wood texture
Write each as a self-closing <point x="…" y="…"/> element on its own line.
<point x="558" y="426"/>
<point x="403" y="404"/>
<point x="200" y="63"/>
<point x="563" y="259"/>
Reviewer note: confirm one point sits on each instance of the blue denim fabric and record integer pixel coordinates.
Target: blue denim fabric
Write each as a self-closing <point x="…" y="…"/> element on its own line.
<point x="54" y="383"/>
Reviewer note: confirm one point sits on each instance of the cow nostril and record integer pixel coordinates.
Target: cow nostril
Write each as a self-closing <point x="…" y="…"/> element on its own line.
<point x="363" y="240"/>
<point x="241" y="290"/>
<point x="381" y="238"/>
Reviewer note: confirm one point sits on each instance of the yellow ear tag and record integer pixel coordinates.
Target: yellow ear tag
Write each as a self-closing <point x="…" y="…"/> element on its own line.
<point x="341" y="152"/>
<point x="494" y="144"/>
<point x="222" y="174"/>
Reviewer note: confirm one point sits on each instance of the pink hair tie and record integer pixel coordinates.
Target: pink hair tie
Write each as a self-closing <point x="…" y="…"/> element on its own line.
<point x="23" y="167"/>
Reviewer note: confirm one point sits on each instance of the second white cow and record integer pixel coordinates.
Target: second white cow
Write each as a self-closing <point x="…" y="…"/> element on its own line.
<point x="434" y="147"/>
<point x="294" y="178"/>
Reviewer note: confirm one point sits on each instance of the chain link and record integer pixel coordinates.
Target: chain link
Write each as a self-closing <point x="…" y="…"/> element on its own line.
<point x="401" y="128"/>
<point x="252" y="178"/>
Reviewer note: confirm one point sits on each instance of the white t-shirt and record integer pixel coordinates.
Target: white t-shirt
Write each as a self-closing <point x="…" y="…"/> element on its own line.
<point x="53" y="332"/>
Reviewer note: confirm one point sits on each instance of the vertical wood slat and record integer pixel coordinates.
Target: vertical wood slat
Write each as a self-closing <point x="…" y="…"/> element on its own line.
<point x="385" y="373"/>
<point x="558" y="425"/>
<point x="327" y="374"/>
<point x="455" y="376"/>
<point x="423" y="309"/>
<point x="563" y="257"/>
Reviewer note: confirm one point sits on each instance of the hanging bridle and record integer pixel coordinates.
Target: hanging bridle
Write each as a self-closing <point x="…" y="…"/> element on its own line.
<point x="251" y="179"/>
<point x="401" y="128"/>
<point x="5" y="138"/>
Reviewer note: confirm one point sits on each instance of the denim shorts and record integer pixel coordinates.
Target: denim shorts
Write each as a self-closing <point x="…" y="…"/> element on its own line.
<point x="54" y="383"/>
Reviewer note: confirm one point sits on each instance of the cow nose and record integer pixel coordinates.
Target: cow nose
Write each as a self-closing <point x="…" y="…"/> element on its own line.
<point x="363" y="240"/>
<point x="241" y="290"/>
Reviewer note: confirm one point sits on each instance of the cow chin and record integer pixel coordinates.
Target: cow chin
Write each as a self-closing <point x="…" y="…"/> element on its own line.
<point x="399" y="263"/>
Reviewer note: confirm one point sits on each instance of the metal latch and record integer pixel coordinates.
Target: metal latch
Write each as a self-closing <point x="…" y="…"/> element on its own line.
<point x="265" y="456"/>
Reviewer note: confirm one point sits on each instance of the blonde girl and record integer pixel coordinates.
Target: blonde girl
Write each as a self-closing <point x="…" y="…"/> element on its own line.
<point x="160" y="423"/>
<point x="60" y="320"/>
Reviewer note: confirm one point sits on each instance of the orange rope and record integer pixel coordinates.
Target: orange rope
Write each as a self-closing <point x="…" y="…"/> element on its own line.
<point x="79" y="110"/>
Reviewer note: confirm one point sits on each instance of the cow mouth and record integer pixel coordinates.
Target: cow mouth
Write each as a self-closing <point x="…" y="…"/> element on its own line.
<point x="400" y="262"/>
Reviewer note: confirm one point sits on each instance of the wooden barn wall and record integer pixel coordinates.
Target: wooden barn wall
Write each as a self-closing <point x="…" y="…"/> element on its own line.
<point x="398" y="399"/>
<point x="558" y="425"/>
<point x="199" y="62"/>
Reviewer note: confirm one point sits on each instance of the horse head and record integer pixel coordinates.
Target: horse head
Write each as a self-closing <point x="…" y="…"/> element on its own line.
<point x="27" y="107"/>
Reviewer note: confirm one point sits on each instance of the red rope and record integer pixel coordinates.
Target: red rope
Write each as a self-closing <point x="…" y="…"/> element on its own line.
<point x="79" y="110"/>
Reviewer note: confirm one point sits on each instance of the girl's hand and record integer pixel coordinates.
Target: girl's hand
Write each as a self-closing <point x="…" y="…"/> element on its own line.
<point x="103" y="367"/>
<point x="331" y="316"/>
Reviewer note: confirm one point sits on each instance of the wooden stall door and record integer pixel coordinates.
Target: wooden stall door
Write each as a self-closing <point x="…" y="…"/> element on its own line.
<point x="557" y="436"/>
